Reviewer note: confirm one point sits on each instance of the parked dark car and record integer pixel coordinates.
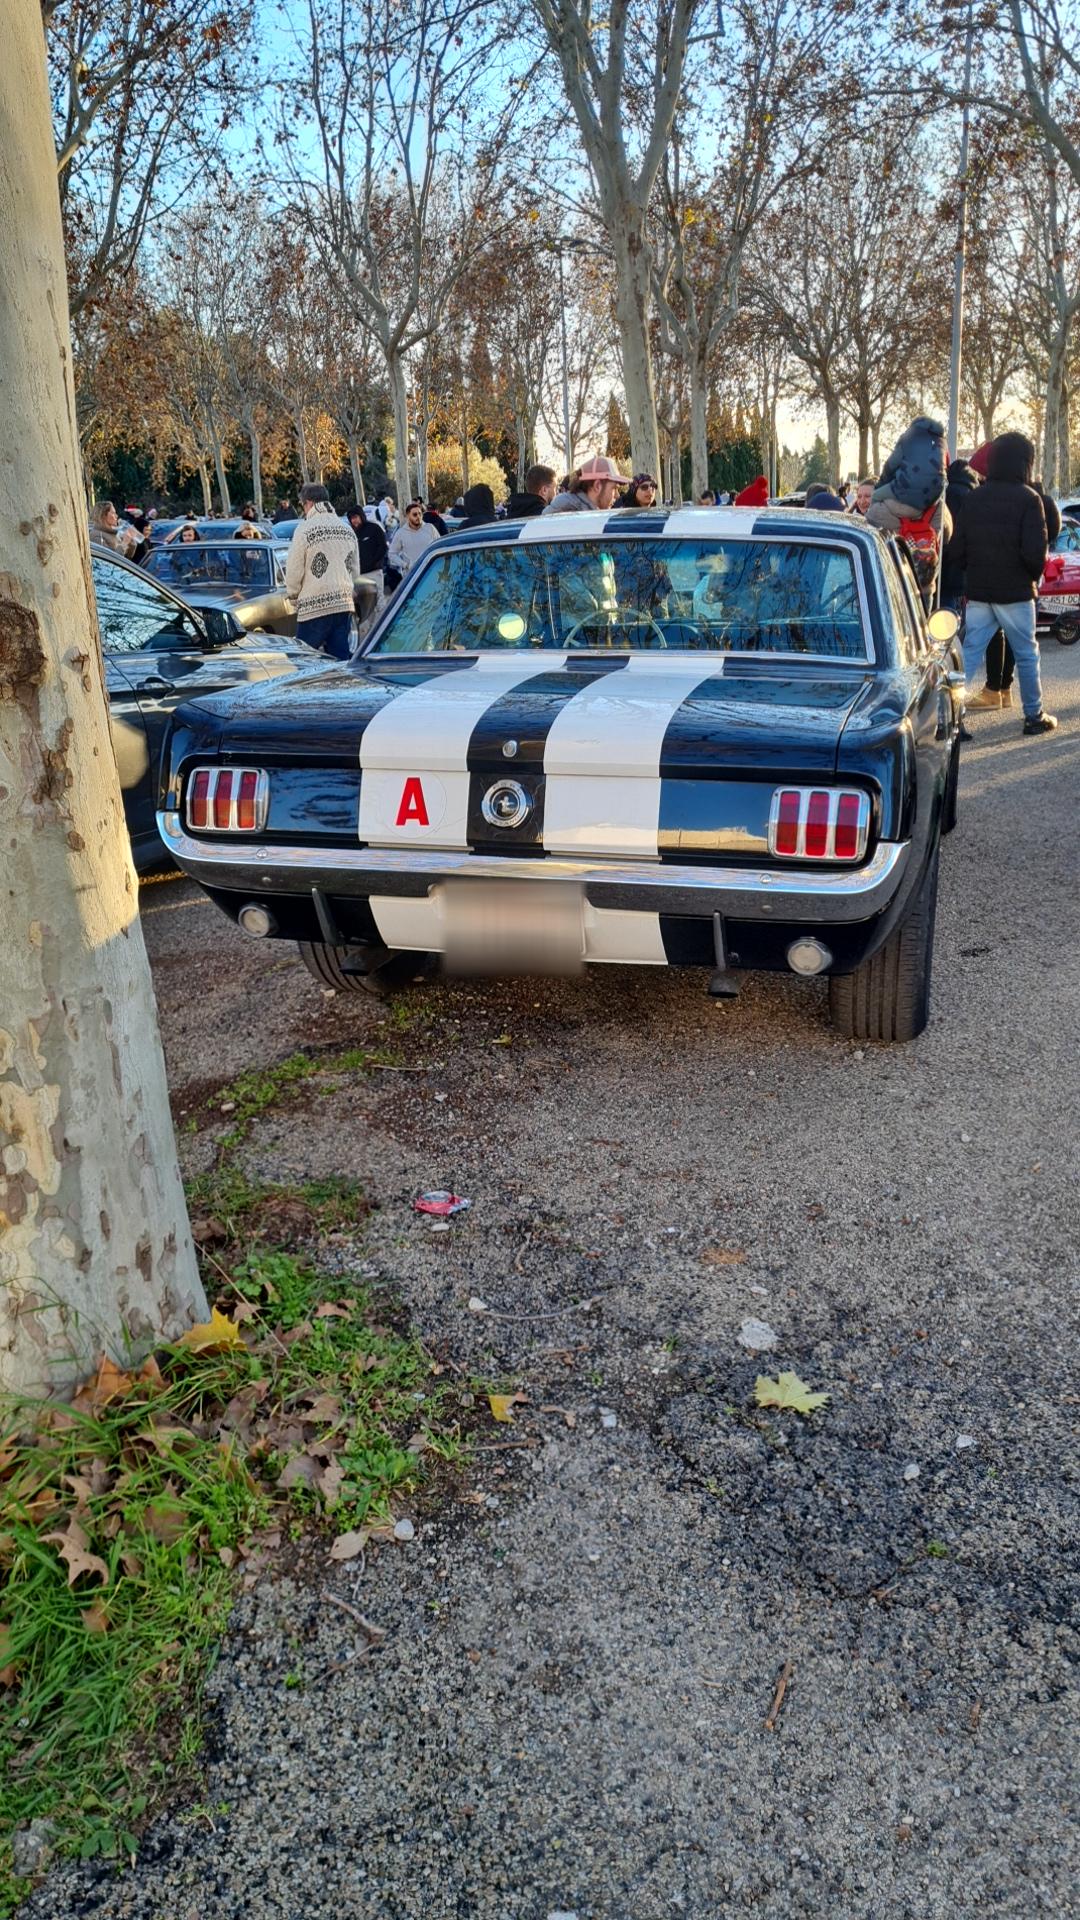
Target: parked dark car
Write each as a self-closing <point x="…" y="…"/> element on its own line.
<point x="246" y="576"/>
<point x="720" y="738"/>
<point x="1058" y="605"/>
<point x="158" y="653"/>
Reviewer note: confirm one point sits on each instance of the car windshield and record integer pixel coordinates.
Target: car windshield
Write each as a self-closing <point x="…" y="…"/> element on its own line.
<point x="1068" y="540"/>
<point x="775" y="596"/>
<point x="243" y="563"/>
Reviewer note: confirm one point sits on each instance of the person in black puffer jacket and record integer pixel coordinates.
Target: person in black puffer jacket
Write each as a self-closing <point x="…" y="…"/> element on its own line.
<point x="539" y="489"/>
<point x="962" y="481"/>
<point x="1001" y="545"/>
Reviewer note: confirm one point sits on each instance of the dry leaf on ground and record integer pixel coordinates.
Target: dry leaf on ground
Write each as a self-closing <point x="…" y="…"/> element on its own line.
<point x="8" y="1667"/>
<point x="329" y="1483"/>
<point x="787" y="1391"/>
<point x="74" y="1548"/>
<point x="502" y="1404"/>
<point x="215" y="1335"/>
<point x="723" y="1256"/>
<point x="348" y="1546"/>
<point x="95" y="1619"/>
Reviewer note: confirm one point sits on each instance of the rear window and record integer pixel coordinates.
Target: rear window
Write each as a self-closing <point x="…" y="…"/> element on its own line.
<point x="194" y="563"/>
<point x="713" y="596"/>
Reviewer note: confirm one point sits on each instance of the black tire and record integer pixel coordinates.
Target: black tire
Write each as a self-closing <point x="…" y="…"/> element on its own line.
<point x="1068" y="632"/>
<point x="325" y="964"/>
<point x="888" y="997"/>
<point x="950" y="806"/>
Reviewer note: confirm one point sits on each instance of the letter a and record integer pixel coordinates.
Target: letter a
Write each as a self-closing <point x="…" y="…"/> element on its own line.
<point x="412" y="806"/>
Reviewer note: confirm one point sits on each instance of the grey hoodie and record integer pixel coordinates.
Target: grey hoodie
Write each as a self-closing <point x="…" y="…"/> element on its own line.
<point x="570" y="503"/>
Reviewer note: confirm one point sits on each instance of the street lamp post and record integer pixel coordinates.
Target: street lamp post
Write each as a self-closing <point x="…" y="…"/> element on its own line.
<point x="960" y="259"/>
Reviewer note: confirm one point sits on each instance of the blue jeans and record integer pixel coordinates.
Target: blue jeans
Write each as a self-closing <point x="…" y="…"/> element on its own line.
<point x="330" y="632"/>
<point x="1017" y="620"/>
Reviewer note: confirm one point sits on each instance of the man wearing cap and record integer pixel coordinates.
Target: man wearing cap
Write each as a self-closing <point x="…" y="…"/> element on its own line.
<point x="592" y="488"/>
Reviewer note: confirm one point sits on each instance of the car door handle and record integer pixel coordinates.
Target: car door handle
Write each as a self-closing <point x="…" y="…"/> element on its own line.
<point x="152" y="684"/>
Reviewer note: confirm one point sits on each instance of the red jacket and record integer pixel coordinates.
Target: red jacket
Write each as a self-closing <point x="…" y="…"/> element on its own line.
<point x="755" y="495"/>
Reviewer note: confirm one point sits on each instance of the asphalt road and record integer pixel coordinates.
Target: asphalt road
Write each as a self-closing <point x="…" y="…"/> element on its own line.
<point x="569" y="1714"/>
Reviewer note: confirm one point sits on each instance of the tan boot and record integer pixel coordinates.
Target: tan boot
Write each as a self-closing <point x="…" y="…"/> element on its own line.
<point x="1006" y="697"/>
<point x="987" y="698"/>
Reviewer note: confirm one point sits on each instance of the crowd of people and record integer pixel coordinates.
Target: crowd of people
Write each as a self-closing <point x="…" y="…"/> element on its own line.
<point x="977" y="529"/>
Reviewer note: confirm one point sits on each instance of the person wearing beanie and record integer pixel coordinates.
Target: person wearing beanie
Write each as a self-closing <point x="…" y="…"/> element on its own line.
<point x="755" y="495"/>
<point x="640" y="493"/>
<point x="321" y="572"/>
<point x="1001" y="545"/>
<point x="371" y="541"/>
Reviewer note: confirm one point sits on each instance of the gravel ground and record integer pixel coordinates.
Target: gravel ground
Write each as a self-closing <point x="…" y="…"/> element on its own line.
<point x="568" y="1715"/>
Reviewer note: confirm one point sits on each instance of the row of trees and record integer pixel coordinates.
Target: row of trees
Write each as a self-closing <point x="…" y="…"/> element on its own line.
<point x="736" y="207"/>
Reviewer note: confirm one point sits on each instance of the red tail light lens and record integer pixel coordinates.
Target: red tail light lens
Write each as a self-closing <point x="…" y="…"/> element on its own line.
<point x="223" y="802"/>
<point x="817" y="826"/>
<point x="199" y="799"/>
<point x="819" y="823"/>
<point x="787" y="823"/>
<point x="227" y="799"/>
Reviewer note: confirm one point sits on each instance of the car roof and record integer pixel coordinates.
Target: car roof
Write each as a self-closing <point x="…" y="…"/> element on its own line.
<point x="683" y="523"/>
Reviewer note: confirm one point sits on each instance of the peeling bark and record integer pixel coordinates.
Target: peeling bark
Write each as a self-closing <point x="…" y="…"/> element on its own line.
<point x="95" y="1250"/>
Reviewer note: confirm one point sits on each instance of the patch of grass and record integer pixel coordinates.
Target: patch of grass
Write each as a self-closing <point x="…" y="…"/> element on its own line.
<point x="171" y="1484"/>
<point x="254" y="1093"/>
<point x="936" y="1550"/>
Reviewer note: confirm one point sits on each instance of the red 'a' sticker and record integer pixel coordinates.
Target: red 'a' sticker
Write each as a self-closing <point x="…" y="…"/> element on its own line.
<point x="413" y="809"/>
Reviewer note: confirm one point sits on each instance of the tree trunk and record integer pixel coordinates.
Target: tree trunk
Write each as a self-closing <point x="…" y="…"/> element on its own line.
<point x="399" y="397"/>
<point x="219" y="469"/>
<point x="95" y="1251"/>
<point x="356" y="469"/>
<point x="256" y="470"/>
<point x="632" y="308"/>
<point x="864" y="442"/>
<point x="875" y="450"/>
<point x="302" y="446"/>
<point x="698" y="369"/>
<point x="832" y="424"/>
<point x="207" y="492"/>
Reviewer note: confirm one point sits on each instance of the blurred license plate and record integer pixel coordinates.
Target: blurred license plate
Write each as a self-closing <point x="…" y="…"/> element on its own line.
<point x="512" y="926"/>
<point x="1059" y="602"/>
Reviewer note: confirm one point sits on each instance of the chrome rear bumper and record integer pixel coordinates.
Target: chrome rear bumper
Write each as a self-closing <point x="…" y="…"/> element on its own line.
<point x="257" y="867"/>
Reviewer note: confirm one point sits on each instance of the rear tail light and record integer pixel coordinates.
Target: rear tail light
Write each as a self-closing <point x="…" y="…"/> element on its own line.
<point x="819" y="823"/>
<point x="227" y="800"/>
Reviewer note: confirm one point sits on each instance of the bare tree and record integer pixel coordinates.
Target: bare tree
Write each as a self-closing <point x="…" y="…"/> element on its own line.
<point x="397" y="208"/>
<point x="623" y="77"/>
<point x="95" y="1250"/>
<point x="134" y="84"/>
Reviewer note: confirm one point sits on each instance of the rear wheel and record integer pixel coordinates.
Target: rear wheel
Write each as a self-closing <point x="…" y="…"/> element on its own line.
<point x="888" y="997"/>
<point x="1068" y="632"/>
<point x="340" y="968"/>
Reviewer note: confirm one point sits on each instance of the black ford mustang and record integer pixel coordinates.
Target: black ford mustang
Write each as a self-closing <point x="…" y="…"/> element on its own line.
<point x="720" y="737"/>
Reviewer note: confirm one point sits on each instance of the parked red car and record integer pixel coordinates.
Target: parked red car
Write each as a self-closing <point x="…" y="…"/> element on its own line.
<point x="1058" y="607"/>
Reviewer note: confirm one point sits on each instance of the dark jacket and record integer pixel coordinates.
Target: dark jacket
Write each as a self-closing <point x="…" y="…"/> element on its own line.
<point x="522" y="506"/>
<point x="962" y="483"/>
<point x="1000" y="542"/>
<point x="914" y="473"/>
<point x="479" y="505"/>
<point x="371" y="543"/>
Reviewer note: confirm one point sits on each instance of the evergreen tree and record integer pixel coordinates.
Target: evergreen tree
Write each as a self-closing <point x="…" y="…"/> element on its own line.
<point x="816" y="465"/>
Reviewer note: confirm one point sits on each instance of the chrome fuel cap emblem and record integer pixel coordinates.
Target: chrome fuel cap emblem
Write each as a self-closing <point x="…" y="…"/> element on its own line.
<point x="506" y="804"/>
<point x="510" y="748"/>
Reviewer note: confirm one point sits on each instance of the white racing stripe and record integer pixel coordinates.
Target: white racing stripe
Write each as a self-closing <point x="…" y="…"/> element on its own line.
<point x="414" y="752"/>
<point x="602" y="756"/>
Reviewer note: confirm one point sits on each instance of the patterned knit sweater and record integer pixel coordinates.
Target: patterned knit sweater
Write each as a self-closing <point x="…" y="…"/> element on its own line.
<point x="323" y="565"/>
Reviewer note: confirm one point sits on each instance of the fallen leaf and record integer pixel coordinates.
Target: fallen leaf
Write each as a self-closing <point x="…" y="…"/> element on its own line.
<point x="324" y="1408"/>
<point x="206" y="1229"/>
<point x="163" y="1439"/>
<point x="501" y="1405"/>
<point x="74" y="1548"/>
<point x="723" y="1256"/>
<point x="165" y="1518"/>
<point x="109" y="1383"/>
<point x="300" y="1471"/>
<point x="333" y="1310"/>
<point x="132" y="1565"/>
<point x="9" y="1668"/>
<point x="787" y="1391"/>
<point x="302" y="1332"/>
<point x="95" y="1619"/>
<point x="348" y="1546"/>
<point x="226" y="1556"/>
<point x="329" y="1483"/>
<point x="244" y="1310"/>
<point x="215" y="1335"/>
<point x="81" y="1488"/>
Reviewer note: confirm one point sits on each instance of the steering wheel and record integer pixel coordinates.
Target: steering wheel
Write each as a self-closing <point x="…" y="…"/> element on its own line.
<point x="611" y="617"/>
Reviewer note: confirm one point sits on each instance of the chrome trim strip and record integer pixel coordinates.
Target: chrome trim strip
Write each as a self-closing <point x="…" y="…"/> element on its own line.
<point x="748" y="893"/>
